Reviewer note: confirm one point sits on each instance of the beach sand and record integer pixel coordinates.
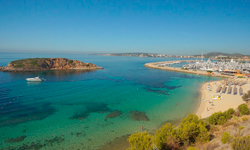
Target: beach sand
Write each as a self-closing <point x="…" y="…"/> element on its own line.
<point x="227" y="101"/>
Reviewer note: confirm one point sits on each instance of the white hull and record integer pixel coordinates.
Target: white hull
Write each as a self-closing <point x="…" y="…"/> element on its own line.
<point x="36" y="79"/>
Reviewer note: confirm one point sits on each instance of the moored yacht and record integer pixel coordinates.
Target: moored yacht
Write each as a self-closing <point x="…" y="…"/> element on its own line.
<point x="36" y="79"/>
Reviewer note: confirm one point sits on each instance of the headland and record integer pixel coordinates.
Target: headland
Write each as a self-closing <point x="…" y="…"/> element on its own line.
<point x="43" y="64"/>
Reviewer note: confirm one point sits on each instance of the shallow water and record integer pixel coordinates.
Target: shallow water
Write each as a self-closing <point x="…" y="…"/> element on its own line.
<point x="69" y="109"/>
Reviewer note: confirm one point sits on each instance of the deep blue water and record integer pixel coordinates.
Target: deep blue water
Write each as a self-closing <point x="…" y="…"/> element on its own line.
<point x="69" y="110"/>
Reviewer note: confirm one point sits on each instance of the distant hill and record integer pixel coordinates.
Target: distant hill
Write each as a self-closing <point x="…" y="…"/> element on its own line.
<point x="213" y="54"/>
<point x="41" y="64"/>
<point x="137" y="54"/>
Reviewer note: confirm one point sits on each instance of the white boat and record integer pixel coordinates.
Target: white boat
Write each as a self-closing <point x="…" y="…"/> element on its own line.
<point x="36" y="79"/>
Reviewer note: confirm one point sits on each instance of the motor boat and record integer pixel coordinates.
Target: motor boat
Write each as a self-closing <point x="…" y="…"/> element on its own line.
<point x="36" y="79"/>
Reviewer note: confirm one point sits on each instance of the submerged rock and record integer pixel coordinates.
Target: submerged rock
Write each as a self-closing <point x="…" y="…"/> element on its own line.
<point x="97" y="108"/>
<point x="14" y="140"/>
<point x="80" y="116"/>
<point x="91" y="107"/>
<point x="54" y="140"/>
<point x="25" y="113"/>
<point x="138" y="116"/>
<point x="32" y="146"/>
<point x="113" y="114"/>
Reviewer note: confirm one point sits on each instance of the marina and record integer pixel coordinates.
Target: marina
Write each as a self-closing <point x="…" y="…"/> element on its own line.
<point x="227" y="68"/>
<point x="208" y="68"/>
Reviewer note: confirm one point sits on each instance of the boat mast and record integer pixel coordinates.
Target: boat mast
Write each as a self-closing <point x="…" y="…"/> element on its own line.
<point x="202" y="56"/>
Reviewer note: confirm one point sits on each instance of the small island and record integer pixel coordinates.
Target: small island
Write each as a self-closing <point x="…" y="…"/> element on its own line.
<point x="44" y="64"/>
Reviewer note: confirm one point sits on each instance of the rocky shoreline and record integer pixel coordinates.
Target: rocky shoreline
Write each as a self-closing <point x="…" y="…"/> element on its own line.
<point x="46" y="64"/>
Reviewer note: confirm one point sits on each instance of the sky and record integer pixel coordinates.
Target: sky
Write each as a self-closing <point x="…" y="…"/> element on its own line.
<point x="181" y="27"/>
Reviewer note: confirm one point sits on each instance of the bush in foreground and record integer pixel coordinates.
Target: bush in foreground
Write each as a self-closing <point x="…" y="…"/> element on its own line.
<point x="165" y="137"/>
<point x="140" y="141"/>
<point x="241" y="143"/>
<point x="191" y="148"/>
<point x="192" y="129"/>
<point x="217" y="118"/>
<point x="220" y="118"/>
<point x="226" y="138"/>
<point x="243" y="108"/>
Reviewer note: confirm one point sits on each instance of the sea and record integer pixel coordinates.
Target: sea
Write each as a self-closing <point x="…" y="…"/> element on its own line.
<point x="72" y="109"/>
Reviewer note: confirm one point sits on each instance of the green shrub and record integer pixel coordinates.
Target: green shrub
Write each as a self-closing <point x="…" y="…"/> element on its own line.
<point x="244" y="118"/>
<point x="19" y="65"/>
<point x="228" y="114"/>
<point x="140" y="141"/>
<point x="191" y="148"/>
<point x="220" y="118"/>
<point x="230" y="111"/>
<point x="192" y="129"/>
<point x="33" y="62"/>
<point x="217" y="118"/>
<point x="243" y="108"/>
<point x="70" y="61"/>
<point x="240" y="128"/>
<point x="226" y="138"/>
<point x="204" y="135"/>
<point x="241" y="143"/>
<point x="165" y="137"/>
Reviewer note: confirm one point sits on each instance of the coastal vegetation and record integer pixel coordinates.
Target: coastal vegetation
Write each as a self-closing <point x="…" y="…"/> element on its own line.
<point x="243" y="109"/>
<point x="220" y="118"/>
<point x="194" y="133"/>
<point x="240" y="143"/>
<point x="226" y="138"/>
<point x="191" y="130"/>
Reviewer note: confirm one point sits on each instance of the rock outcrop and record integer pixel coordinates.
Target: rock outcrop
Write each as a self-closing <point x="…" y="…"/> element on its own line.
<point x="42" y="64"/>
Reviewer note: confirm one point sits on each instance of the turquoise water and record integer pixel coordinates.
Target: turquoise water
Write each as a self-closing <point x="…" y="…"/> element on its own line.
<point x="68" y="110"/>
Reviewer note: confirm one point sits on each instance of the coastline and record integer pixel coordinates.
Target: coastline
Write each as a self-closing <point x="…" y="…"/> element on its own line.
<point x="200" y="106"/>
<point x="207" y="105"/>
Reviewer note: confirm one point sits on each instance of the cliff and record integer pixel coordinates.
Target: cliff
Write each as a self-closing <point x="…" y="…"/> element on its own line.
<point x="42" y="64"/>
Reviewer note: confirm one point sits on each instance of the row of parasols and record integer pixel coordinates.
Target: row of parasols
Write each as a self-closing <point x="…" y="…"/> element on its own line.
<point x="229" y="90"/>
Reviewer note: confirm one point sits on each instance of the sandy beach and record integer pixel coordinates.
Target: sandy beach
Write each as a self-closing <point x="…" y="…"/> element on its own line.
<point x="209" y="105"/>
